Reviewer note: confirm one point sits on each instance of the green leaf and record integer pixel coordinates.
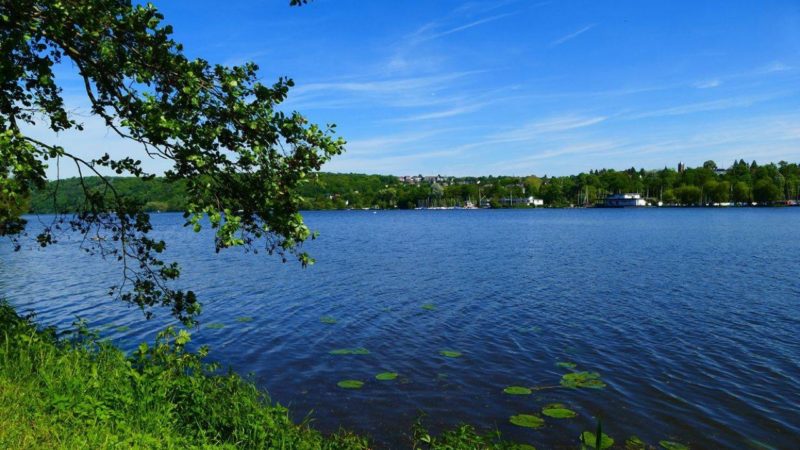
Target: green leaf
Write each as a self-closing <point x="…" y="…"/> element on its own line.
<point x="350" y="384"/>
<point x="589" y="439"/>
<point x="327" y="320"/>
<point x="517" y="390"/>
<point x="386" y="376"/>
<point x="244" y="319"/>
<point x="527" y="421"/>
<point x="558" y="411"/>
<point x="450" y="353"/>
<point x="566" y="365"/>
<point x="588" y="380"/>
<point x="350" y="351"/>
<point x="634" y="443"/>
<point x="429" y="307"/>
<point x="671" y="445"/>
<point x="215" y="326"/>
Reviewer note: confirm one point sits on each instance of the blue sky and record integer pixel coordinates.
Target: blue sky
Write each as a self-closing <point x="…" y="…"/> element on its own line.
<point x="518" y="86"/>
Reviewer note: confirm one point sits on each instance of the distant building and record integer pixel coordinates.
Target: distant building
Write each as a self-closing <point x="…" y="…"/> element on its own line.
<point x="522" y="201"/>
<point x="624" y="201"/>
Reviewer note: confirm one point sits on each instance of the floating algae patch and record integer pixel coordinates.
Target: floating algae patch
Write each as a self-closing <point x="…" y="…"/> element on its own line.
<point x="244" y="319"/>
<point x="671" y="445"/>
<point x="527" y="421"/>
<point x="566" y="365"/>
<point x="215" y="326"/>
<point x="386" y="376"/>
<point x="350" y="351"/>
<point x="635" y="443"/>
<point x="588" y="380"/>
<point x="122" y="328"/>
<point x="558" y="411"/>
<point x="350" y="384"/>
<point x="517" y="390"/>
<point x="450" y="353"/>
<point x="429" y="307"/>
<point x="327" y="320"/>
<point x="589" y="441"/>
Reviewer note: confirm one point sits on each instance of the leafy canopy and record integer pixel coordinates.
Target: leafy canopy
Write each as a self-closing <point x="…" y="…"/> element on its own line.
<point x="221" y="130"/>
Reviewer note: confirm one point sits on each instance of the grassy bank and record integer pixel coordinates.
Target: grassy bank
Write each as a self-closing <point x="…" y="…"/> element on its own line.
<point x="80" y="392"/>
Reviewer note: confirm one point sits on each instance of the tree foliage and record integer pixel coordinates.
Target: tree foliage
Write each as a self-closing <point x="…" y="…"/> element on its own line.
<point x="237" y="155"/>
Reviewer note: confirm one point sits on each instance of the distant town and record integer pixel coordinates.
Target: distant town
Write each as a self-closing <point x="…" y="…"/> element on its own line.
<point x="709" y="185"/>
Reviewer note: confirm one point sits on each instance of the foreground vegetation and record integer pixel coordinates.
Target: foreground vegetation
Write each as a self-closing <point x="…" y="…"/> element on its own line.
<point x="741" y="183"/>
<point x="81" y="392"/>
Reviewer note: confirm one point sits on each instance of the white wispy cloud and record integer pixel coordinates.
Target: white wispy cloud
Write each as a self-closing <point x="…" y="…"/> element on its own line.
<point x="708" y="84"/>
<point x="451" y="112"/>
<point x="571" y="36"/>
<point x="776" y="66"/>
<point x="428" y="32"/>
<point x="538" y="128"/>
<point x="712" y="105"/>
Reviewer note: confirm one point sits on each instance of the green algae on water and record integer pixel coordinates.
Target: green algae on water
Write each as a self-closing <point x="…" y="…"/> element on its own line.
<point x="215" y="326"/>
<point x="386" y="376"/>
<point x="589" y="441"/>
<point x="635" y="443"/>
<point x="350" y="384"/>
<point x="588" y="380"/>
<point x="671" y="445"/>
<point x="566" y="365"/>
<point x="244" y="319"/>
<point x="527" y="421"/>
<point x="450" y="353"/>
<point x="328" y="320"/>
<point x="350" y="351"/>
<point x="517" y="390"/>
<point x="558" y="411"/>
<point x="429" y="307"/>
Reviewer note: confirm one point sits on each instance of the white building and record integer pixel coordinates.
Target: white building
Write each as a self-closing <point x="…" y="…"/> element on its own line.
<point x="525" y="201"/>
<point x="625" y="201"/>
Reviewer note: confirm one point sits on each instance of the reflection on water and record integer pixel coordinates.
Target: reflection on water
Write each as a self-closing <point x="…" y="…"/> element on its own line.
<point x="689" y="317"/>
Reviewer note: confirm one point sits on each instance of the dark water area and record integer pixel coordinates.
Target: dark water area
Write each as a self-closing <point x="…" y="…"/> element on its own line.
<point x="690" y="316"/>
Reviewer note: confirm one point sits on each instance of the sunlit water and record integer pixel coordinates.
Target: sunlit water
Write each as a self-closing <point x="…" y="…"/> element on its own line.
<point x="691" y="316"/>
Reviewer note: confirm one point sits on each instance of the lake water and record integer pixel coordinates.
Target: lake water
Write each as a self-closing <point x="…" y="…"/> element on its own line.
<point x="690" y="316"/>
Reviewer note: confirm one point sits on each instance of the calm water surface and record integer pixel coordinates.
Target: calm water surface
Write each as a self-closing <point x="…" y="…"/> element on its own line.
<point x="691" y="316"/>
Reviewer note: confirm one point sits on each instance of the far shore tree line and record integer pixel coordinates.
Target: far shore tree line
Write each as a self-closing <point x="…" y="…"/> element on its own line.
<point x="742" y="183"/>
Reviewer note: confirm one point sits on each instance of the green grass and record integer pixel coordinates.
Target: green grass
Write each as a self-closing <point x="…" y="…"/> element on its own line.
<point x="86" y="393"/>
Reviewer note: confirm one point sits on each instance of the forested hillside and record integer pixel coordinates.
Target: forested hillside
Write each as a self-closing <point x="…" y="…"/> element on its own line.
<point x="708" y="184"/>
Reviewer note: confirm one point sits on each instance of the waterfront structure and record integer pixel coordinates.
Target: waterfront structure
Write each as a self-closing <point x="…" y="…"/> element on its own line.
<point x="624" y="201"/>
<point x="522" y="201"/>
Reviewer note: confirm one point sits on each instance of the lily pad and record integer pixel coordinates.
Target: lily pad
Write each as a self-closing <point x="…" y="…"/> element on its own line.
<point x="350" y="384"/>
<point x="215" y="326"/>
<point x="671" y="445"/>
<point x="350" y="351"/>
<point x="527" y="421"/>
<point x="589" y="441"/>
<point x="429" y="307"/>
<point x="566" y="365"/>
<point x="244" y="319"/>
<point x="635" y="443"/>
<point x="558" y="411"/>
<point x="386" y="376"/>
<point x="588" y="380"/>
<point x="327" y="320"/>
<point x="450" y="353"/>
<point x="517" y="390"/>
